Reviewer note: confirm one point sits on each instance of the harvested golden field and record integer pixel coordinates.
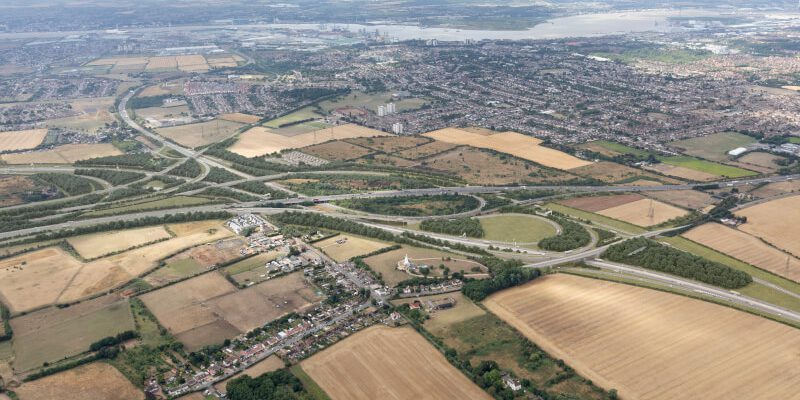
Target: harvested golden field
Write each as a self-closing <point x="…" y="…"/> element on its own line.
<point x="21" y="140"/>
<point x="650" y="344"/>
<point x="240" y="118"/>
<point x="637" y="212"/>
<point x="168" y="62"/>
<point x="92" y="381"/>
<point x="64" y="154"/>
<point x="208" y="309"/>
<point x="260" y="141"/>
<point x="336" y="150"/>
<point x="35" y="279"/>
<point x="344" y="247"/>
<point x="44" y="277"/>
<point x="759" y="159"/>
<point x="682" y="172"/>
<point x="776" y="221"/>
<point x="746" y="248"/>
<point x="777" y="189"/>
<point x="426" y="150"/>
<point x="390" y="144"/>
<point x="516" y="144"/>
<point x="167" y="88"/>
<point x="610" y="172"/>
<point x="192" y="63"/>
<point x="691" y="199"/>
<point x="599" y="203"/>
<point x="200" y="134"/>
<point x="382" y="362"/>
<point x="481" y="167"/>
<point x="100" y="244"/>
<point x="56" y="333"/>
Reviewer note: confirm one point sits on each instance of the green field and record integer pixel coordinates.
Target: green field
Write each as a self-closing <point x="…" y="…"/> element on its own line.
<point x="299" y="115"/>
<point x="518" y="228"/>
<point x="600" y="220"/>
<point x="707" y="166"/>
<point x="179" y="269"/>
<point x="714" y="147"/>
<point x="618" y="148"/>
<point x="794" y="139"/>
<point x="301" y="128"/>
<point x="251" y="263"/>
<point x="371" y="101"/>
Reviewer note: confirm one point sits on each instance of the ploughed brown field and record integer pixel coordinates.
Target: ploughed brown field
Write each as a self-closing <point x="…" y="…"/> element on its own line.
<point x="650" y="344"/>
<point x="388" y="363"/>
<point x="599" y="203"/>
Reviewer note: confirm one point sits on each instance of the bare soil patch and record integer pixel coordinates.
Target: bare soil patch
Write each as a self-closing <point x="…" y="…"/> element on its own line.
<point x="691" y="199"/>
<point x="390" y="144"/>
<point x="336" y="151"/>
<point x="426" y="150"/>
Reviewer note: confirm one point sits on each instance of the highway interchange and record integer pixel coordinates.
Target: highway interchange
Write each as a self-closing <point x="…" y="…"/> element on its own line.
<point x="535" y="259"/>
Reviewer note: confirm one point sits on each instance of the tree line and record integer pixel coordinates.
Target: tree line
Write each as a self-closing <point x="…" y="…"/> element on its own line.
<point x="504" y="274"/>
<point x="440" y="204"/>
<point x="69" y="184"/>
<point x="136" y="161"/>
<point x="456" y="226"/>
<point x="189" y="169"/>
<point x="659" y="257"/>
<point x="275" y="385"/>
<point x="112" y="176"/>
<point x="220" y="175"/>
<point x="573" y="236"/>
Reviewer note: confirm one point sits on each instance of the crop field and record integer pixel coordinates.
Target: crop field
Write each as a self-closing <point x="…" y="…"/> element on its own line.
<point x="516" y="144"/>
<point x="638" y="212"/>
<point x="714" y="147"/>
<point x="481" y="167"/>
<point x="517" y="228"/>
<point x="260" y="141"/>
<point x="611" y="149"/>
<point x="92" y="381"/>
<point x="682" y="172"/>
<point x="187" y="63"/>
<point x="344" y="247"/>
<point x="240" y="118"/>
<point x="599" y="203"/>
<point x="51" y="275"/>
<point x="776" y="221"/>
<point x="382" y="362"/>
<point x="671" y="347"/>
<point x="777" y="189"/>
<point x="690" y="199"/>
<point x="610" y="172"/>
<point x="56" y="333"/>
<point x="14" y="189"/>
<point x="174" y="270"/>
<point x="744" y="247"/>
<point x="100" y="244"/>
<point x="167" y="88"/>
<point x="208" y="309"/>
<point x="763" y="160"/>
<point x="426" y="150"/>
<point x="390" y="144"/>
<point x="64" y="154"/>
<point x="201" y="134"/>
<point x="599" y="220"/>
<point x="21" y="140"/>
<point x="386" y="263"/>
<point x="336" y="150"/>
<point x="707" y="167"/>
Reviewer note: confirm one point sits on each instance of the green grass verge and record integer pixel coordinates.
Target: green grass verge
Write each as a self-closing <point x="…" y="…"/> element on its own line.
<point x="310" y="386"/>
<point x="707" y="166"/>
<point x="516" y="228"/>
<point x="597" y="219"/>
